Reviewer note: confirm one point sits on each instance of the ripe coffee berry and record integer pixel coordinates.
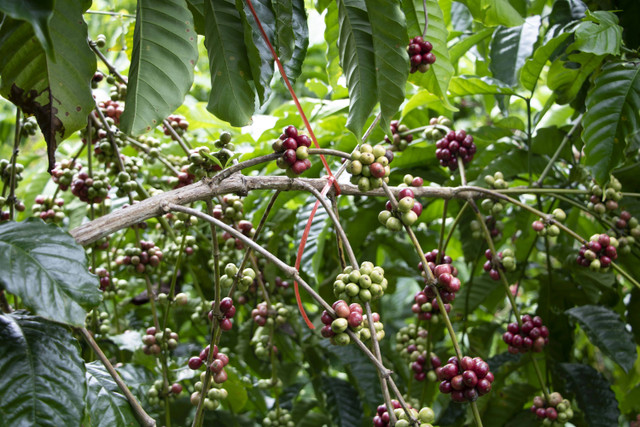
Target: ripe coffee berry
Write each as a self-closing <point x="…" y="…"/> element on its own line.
<point x="556" y="410"/>
<point x="283" y="284"/>
<point x="214" y="395"/>
<point x="420" y="54"/>
<point x="369" y="166"/>
<point x="294" y="147"/>
<point x="411" y="181"/>
<point x="599" y="252"/>
<point x="447" y="282"/>
<point x="262" y="315"/>
<point x="544" y="228"/>
<point x="360" y="285"/>
<point x="228" y="310"/>
<point x="465" y="379"/>
<point x="111" y="109"/>
<point x="178" y="123"/>
<point x="347" y="316"/>
<point x="455" y="144"/>
<point x="504" y="261"/>
<point x="400" y="141"/>
<point x="424" y="367"/>
<point x="531" y="336"/>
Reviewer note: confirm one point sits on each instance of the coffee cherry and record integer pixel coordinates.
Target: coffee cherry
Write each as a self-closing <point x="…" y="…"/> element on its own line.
<point x="452" y="146"/>
<point x="360" y="285"/>
<point x="598" y="253"/>
<point x="295" y="149"/>
<point x="531" y="336"/>
<point x="466" y="379"/>
<point x="420" y="54"/>
<point x="504" y="261"/>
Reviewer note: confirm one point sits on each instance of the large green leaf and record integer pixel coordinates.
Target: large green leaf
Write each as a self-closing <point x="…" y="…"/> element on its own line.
<point x="566" y="11"/>
<point x="41" y="373"/>
<point x="507" y="404"/>
<point x="47" y="269"/>
<point x="612" y="115"/>
<point x="510" y="48"/>
<point x="633" y="314"/>
<point x="331" y="35"/>
<point x="283" y="11"/>
<point x="567" y="74"/>
<point x="343" y="399"/>
<point x="471" y="85"/>
<point x="494" y="12"/>
<point x="106" y="405"/>
<point x="318" y="233"/>
<point x="355" y="43"/>
<point x="232" y="99"/>
<point x="165" y="50"/>
<point x="57" y="92"/>
<point x="35" y="12"/>
<point x="593" y="393"/>
<point x="436" y="80"/>
<point x="599" y="34"/>
<point x="293" y="67"/>
<point x="533" y="66"/>
<point x="389" y="33"/>
<point x="605" y="330"/>
<point x="460" y="48"/>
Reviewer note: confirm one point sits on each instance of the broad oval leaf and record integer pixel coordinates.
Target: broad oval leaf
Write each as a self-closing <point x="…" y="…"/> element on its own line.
<point x="283" y="11"/>
<point x="605" y="330"/>
<point x="567" y="74"/>
<point x="56" y="91"/>
<point x="593" y="393"/>
<point x="494" y="12"/>
<point x="471" y="85"/>
<point x="533" y="66"/>
<point x="460" y="48"/>
<point x="612" y="115"/>
<point x="566" y="11"/>
<point x="41" y="373"/>
<point x="47" y="269"/>
<point x="165" y="50"/>
<point x="106" y="405"/>
<point x="293" y="67"/>
<point x="599" y="34"/>
<point x="510" y="48"/>
<point x="331" y="34"/>
<point x="37" y="13"/>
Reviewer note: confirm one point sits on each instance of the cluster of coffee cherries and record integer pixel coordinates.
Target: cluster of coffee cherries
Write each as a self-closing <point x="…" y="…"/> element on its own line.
<point x="437" y="128"/>
<point x="224" y="142"/>
<point x="411" y="181"/>
<point x="347" y="316"/>
<point x="278" y="417"/>
<point x="125" y="184"/>
<point x="545" y="228"/>
<point x="178" y="123"/>
<point x="156" y="391"/>
<point x="48" y="209"/>
<point x="400" y="141"/>
<point x="465" y="379"/>
<point x="112" y="109"/>
<point x="262" y="315"/>
<point x="497" y="182"/>
<point x="369" y="166"/>
<point x="220" y="360"/>
<point x="411" y="339"/>
<point x="6" y="170"/>
<point x="231" y="270"/>
<point x="494" y="226"/>
<point x="629" y="225"/>
<point x="228" y="310"/>
<point x="282" y="284"/>
<point x="230" y="210"/>
<point x="154" y="341"/>
<point x="599" y="252"/>
<point x="504" y="261"/>
<point x="103" y="277"/>
<point x="426" y="305"/>
<point x="531" y="336"/>
<point x="142" y="259"/>
<point x="115" y="288"/>
<point x="360" y="285"/>
<point x="261" y="343"/>
<point x="455" y="144"/>
<point x="365" y="333"/>
<point x="420" y="54"/>
<point x="407" y="213"/>
<point x="425" y="416"/>
<point x="603" y="200"/>
<point x="64" y="171"/>
<point x="203" y="162"/>
<point x="190" y="246"/>
<point x="28" y="127"/>
<point x="98" y="321"/>
<point x="183" y="179"/>
<point x="91" y="189"/>
<point x="294" y="147"/>
<point x="215" y="394"/>
<point x="557" y="411"/>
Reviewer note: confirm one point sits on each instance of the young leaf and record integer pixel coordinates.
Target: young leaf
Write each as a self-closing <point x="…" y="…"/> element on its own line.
<point x="567" y="74"/>
<point x="106" y="404"/>
<point x="459" y="49"/>
<point x="41" y="373"/>
<point x="605" y="330"/>
<point x="232" y="99"/>
<point x="612" y="114"/>
<point x="593" y="393"/>
<point x="533" y="66"/>
<point x="165" y="51"/>
<point x="494" y="12"/>
<point x="37" y="13"/>
<point x="56" y="91"/>
<point x="344" y="401"/>
<point x="47" y="269"/>
<point x="599" y="34"/>
<point x="470" y="85"/>
<point x="510" y="48"/>
<point x="331" y="35"/>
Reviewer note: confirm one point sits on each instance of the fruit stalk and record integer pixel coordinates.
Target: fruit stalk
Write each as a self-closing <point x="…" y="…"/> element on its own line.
<point x="14" y="158"/>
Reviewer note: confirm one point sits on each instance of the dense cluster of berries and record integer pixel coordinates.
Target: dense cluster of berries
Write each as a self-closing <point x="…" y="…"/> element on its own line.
<point x="156" y="391"/>
<point x="411" y="339"/>
<point x="545" y="228"/>
<point x="228" y="310"/>
<point x="230" y="271"/>
<point x="203" y="162"/>
<point x="400" y="141"/>
<point x="531" y="336"/>
<point x="424" y="367"/>
<point x="425" y="416"/>
<point x="426" y="306"/>
<point x="283" y="284"/>
<point x="347" y="316"/>
<point x="103" y="277"/>
<point x="178" y="123"/>
<point x="407" y="213"/>
<point x="28" y="127"/>
<point x="112" y="109"/>
<point x="278" y="418"/>
<point x="369" y="166"/>
<point x="411" y="181"/>
<point x="261" y="343"/>
<point x="64" y="171"/>
<point x="262" y="315"/>
<point x="294" y="147"/>
<point x="420" y="54"/>
<point x="125" y="184"/>
<point x="360" y="285"/>
<point x="230" y="210"/>
<point x="220" y="360"/>
<point x="437" y="128"/>
<point x="497" y="182"/>
<point x="599" y="252"/>
<point x="557" y="411"/>
<point x="48" y="209"/>
<point x="183" y="179"/>
<point x="455" y="144"/>
<point x="504" y="261"/>
<point x="6" y="169"/>
<point x="629" y="225"/>
<point x="365" y="333"/>
<point x="91" y="189"/>
<point x="465" y="379"/>
<point x="190" y="246"/>
<point x="215" y="394"/>
<point x="142" y="259"/>
<point x="444" y="266"/>
<point x="98" y="321"/>
<point x="494" y="226"/>
<point x="154" y="341"/>
<point x="603" y="200"/>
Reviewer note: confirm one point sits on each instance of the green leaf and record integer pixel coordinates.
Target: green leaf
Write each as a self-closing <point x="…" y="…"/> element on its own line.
<point x="293" y="67"/>
<point x="566" y="11"/>
<point x="342" y="398"/>
<point x="355" y="43"/>
<point x="57" y="92"/>
<point x="510" y="48"/>
<point x="566" y="75"/>
<point x="436" y="80"/>
<point x="318" y="233"/>
<point x="633" y="314"/>
<point x="164" y="55"/>
<point x="459" y="49"/>
<point x="507" y="404"/>
<point x="533" y="66"/>
<point x="41" y="373"/>
<point x="471" y="85"/>
<point x="612" y="115"/>
<point x="231" y="99"/>
<point x="331" y="35"/>
<point x="494" y="12"/>
<point x="197" y="10"/>
<point x="593" y="394"/>
<point x="605" y="330"/>
<point x="283" y="11"/>
<point x="37" y="13"/>
<point x="389" y="33"/>
<point x="47" y="269"/>
<point x="599" y="34"/>
<point x="106" y="404"/>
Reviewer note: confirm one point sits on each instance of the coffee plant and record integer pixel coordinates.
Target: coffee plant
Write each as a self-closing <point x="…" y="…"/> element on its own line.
<point x="321" y="213"/>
